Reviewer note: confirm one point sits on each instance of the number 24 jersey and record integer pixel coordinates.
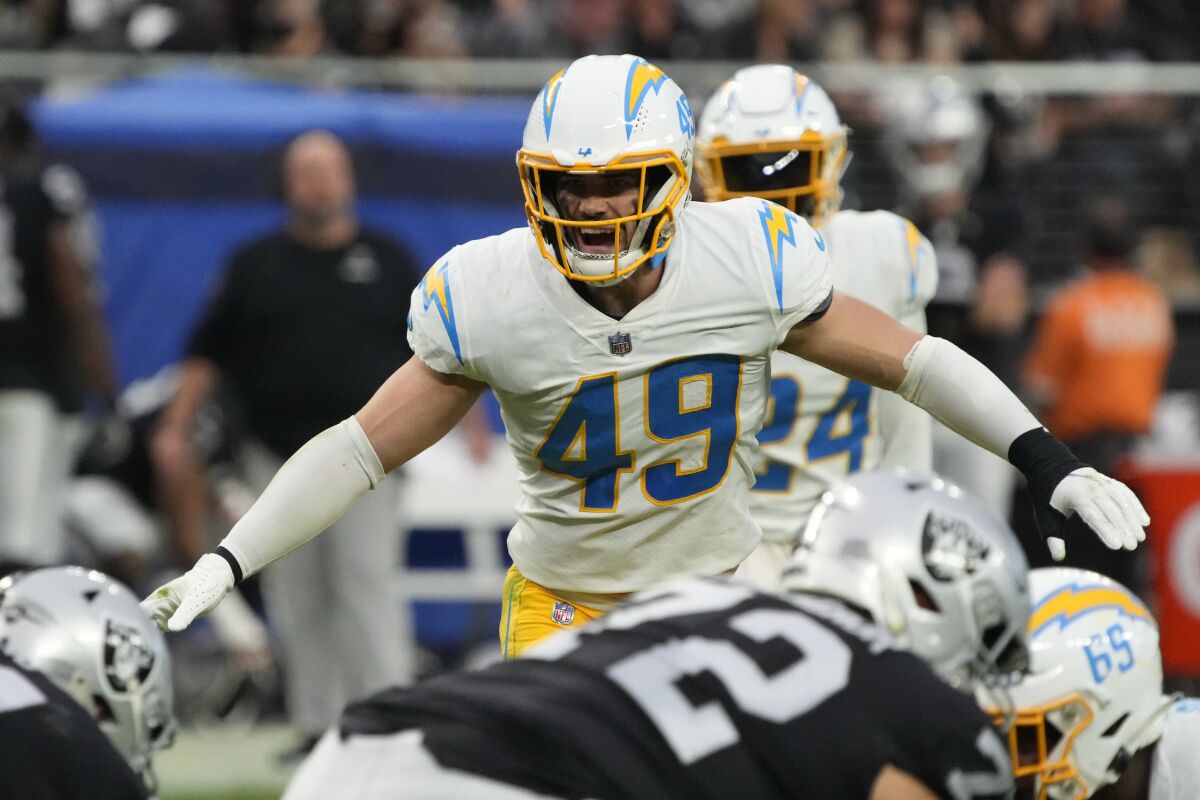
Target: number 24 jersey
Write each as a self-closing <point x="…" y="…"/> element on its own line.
<point x="633" y="437"/>
<point x="822" y="426"/>
<point x="704" y="689"/>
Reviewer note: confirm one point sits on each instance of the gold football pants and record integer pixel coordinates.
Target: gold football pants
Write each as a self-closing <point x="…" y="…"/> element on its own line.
<point x="531" y="612"/>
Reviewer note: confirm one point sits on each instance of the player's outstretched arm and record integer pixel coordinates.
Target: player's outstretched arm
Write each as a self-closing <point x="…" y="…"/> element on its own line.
<point x="861" y="342"/>
<point x="906" y="430"/>
<point x="414" y="408"/>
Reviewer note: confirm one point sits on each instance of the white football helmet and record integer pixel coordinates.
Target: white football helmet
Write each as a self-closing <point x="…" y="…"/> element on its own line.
<point x="928" y="562"/>
<point x="1093" y="696"/>
<point x="602" y="114"/>
<point x="86" y="632"/>
<point x="936" y="136"/>
<point x="771" y="132"/>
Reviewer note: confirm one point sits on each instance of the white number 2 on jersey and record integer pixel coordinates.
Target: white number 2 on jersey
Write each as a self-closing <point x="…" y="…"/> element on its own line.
<point x="651" y="676"/>
<point x="693" y="732"/>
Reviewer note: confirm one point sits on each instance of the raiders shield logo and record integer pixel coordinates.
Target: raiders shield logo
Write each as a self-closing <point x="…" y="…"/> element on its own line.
<point x="952" y="548"/>
<point x="563" y="613"/>
<point x="620" y="344"/>
<point x="128" y="659"/>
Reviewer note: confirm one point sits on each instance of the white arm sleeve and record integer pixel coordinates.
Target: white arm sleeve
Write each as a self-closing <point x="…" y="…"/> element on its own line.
<point x="907" y="431"/>
<point x="309" y="492"/>
<point x="964" y="395"/>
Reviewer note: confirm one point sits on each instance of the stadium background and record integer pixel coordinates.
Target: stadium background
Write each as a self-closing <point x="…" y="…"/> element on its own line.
<point x="180" y="154"/>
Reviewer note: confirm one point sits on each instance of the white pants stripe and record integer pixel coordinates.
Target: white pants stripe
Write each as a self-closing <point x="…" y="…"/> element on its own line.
<point x="392" y="767"/>
<point x="38" y="448"/>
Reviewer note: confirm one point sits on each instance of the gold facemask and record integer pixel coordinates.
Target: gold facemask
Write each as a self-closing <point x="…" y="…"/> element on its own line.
<point x="804" y="174"/>
<point x="549" y="226"/>
<point x="1034" y="733"/>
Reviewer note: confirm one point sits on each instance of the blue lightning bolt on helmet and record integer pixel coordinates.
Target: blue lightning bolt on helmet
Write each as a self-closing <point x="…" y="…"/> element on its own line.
<point x="773" y="133"/>
<point x="1093" y="696"/>
<point x="600" y="115"/>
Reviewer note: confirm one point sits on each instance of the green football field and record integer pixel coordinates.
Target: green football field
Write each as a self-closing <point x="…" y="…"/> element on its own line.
<point x="227" y="762"/>
<point x="231" y="794"/>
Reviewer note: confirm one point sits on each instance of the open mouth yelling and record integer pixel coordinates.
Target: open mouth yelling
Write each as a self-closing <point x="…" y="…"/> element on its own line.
<point x="600" y="241"/>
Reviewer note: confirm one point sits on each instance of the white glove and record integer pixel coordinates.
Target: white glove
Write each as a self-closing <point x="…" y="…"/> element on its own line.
<point x="1108" y="507"/>
<point x="194" y="593"/>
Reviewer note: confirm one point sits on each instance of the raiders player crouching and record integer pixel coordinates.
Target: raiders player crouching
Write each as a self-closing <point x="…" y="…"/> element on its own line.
<point x="709" y="689"/>
<point x="85" y="688"/>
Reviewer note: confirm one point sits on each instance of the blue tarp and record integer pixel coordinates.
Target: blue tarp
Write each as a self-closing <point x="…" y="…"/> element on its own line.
<point x="201" y="108"/>
<point x="183" y="169"/>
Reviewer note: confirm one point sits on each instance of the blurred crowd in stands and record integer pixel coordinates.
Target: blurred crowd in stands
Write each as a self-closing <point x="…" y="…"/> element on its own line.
<point x="941" y="31"/>
<point x="1057" y="150"/>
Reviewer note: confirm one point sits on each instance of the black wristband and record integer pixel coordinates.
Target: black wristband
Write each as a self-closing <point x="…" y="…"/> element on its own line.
<point x="233" y="564"/>
<point x="1043" y="459"/>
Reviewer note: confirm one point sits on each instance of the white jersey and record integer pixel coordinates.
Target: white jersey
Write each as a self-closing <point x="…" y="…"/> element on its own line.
<point x="1175" y="772"/>
<point x="823" y="426"/>
<point x="633" y="437"/>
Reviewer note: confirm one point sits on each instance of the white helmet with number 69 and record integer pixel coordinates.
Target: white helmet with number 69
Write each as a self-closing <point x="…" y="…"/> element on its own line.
<point x="1093" y="696"/>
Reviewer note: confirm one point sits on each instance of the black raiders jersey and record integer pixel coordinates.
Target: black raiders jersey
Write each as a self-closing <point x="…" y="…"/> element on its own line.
<point x="704" y="689"/>
<point x="50" y="749"/>
<point x="33" y="341"/>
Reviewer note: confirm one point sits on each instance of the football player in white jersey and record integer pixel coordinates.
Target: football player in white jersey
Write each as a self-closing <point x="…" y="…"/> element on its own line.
<point x="1092" y="718"/>
<point x="627" y="336"/>
<point x="773" y="133"/>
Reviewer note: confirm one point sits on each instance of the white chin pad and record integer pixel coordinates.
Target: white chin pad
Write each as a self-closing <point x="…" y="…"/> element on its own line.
<point x="595" y="265"/>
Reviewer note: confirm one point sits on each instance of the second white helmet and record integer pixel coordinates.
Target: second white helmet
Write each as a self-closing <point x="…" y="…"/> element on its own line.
<point x="773" y="133"/>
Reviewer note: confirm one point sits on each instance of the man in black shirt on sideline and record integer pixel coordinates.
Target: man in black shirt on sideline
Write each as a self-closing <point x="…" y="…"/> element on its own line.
<point x="306" y="323"/>
<point x="709" y="689"/>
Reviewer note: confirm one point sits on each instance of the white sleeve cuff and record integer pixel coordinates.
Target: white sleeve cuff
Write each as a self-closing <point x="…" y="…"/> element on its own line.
<point x="964" y="395"/>
<point x="310" y="491"/>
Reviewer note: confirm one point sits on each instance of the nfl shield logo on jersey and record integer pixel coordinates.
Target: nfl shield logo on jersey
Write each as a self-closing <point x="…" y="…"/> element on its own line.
<point x="564" y="613"/>
<point x="620" y="344"/>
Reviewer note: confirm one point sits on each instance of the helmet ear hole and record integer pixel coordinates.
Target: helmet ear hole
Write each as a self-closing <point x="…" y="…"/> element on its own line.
<point x="103" y="710"/>
<point x="923" y="597"/>
<point x="1111" y="730"/>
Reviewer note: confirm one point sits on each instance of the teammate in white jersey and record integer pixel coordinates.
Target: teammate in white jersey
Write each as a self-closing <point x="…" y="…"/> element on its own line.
<point x="1092" y="719"/>
<point x="773" y="133"/>
<point x="627" y="337"/>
